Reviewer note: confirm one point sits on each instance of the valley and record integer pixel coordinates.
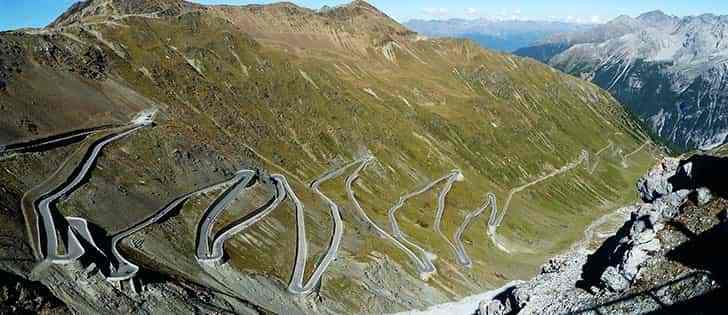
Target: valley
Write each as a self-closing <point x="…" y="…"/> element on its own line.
<point x="668" y="70"/>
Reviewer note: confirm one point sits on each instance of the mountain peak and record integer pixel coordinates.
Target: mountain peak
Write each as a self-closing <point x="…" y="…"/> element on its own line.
<point x="363" y="16"/>
<point x="356" y="7"/>
<point x="362" y="4"/>
<point x="91" y="8"/>
<point x="622" y="19"/>
<point x="653" y="14"/>
<point x="657" y="18"/>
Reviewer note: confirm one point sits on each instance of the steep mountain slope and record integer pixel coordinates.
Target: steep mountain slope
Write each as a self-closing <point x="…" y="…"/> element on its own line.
<point x="506" y="35"/>
<point x="670" y="72"/>
<point x="286" y="90"/>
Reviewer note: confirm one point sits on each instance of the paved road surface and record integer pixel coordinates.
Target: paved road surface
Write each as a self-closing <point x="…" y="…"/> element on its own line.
<point x="213" y="212"/>
<point x="421" y="267"/>
<point x="469" y="218"/>
<point x="246" y="222"/>
<point x="456" y="176"/>
<point x="296" y="286"/>
<point x="125" y="269"/>
<point x="74" y="249"/>
<point x="425" y="256"/>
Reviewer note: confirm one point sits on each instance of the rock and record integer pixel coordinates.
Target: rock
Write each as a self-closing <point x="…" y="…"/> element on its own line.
<point x="704" y="196"/>
<point x="521" y="297"/>
<point x="569" y="282"/>
<point x="637" y="241"/>
<point x="646" y="237"/>
<point x="656" y="183"/>
<point x="493" y="307"/>
<point x="613" y="280"/>
<point x="634" y="259"/>
<point x="668" y="206"/>
<point x="552" y="266"/>
<point x="510" y="301"/>
<point x="639" y="226"/>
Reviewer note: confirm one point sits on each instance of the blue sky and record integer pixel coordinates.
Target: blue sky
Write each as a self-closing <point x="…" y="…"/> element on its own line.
<point x="34" y="13"/>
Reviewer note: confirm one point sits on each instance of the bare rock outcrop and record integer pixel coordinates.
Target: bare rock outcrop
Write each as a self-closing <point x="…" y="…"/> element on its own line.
<point x="581" y="279"/>
<point x="656" y="183"/>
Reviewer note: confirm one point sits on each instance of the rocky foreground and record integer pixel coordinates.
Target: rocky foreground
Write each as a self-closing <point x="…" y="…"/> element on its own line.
<point x="664" y="259"/>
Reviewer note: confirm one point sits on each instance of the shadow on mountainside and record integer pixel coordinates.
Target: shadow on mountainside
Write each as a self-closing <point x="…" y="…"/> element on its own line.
<point x="705" y="171"/>
<point x="704" y="252"/>
<point x="701" y="252"/>
<point x="696" y="305"/>
<point x="703" y="291"/>
<point x="606" y="255"/>
<point x="21" y="296"/>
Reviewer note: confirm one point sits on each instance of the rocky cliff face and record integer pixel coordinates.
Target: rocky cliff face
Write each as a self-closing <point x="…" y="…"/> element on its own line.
<point x="660" y="260"/>
<point x="671" y="72"/>
<point x="374" y="129"/>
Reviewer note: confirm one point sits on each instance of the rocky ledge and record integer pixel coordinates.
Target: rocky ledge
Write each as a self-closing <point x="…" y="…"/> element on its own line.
<point x="665" y="257"/>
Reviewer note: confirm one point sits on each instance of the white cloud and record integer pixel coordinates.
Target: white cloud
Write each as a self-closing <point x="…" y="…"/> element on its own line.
<point x="437" y="12"/>
<point x="516" y="14"/>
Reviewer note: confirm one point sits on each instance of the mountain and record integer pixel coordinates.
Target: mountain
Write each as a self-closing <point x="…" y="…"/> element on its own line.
<point x="562" y="41"/>
<point x="505" y="35"/>
<point x="669" y="71"/>
<point x="160" y="156"/>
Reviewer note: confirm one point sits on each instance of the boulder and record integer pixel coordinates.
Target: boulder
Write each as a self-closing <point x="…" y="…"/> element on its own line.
<point x="635" y="258"/>
<point x="637" y="240"/>
<point x="493" y="307"/>
<point x="668" y="206"/>
<point x="614" y="281"/>
<point x="656" y="183"/>
<point x="510" y="301"/>
<point x="521" y="297"/>
<point x="704" y="196"/>
<point x="554" y="265"/>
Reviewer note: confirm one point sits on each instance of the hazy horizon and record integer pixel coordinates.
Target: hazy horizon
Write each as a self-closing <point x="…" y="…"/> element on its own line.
<point x="22" y="14"/>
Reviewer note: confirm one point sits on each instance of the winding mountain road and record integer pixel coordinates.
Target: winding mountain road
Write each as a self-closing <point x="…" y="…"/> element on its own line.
<point x="44" y="144"/>
<point x="296" y="285"/>
<point x="203" y="252"/>
<point x="590" y="165"/>
<point x="210" y="248"/>
<point x="420" y="265"/>
<point x="74" y="249"/>
<point x="125" y="269"/>
<point x="496" y="220"/>
<point x="456" y="176"/>
<point x="425" y="258"/>
<point x="629" y="155"/>
<point x="80" y="227"/>
<point x="463" y="257"/>
<point x="246" y="222"/>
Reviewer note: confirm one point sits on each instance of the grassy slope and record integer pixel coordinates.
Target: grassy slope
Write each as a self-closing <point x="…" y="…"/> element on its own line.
<point x="503" y="120"/>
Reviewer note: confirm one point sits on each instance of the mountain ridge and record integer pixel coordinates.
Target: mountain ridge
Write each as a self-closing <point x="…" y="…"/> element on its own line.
<point x="670" y="71"/>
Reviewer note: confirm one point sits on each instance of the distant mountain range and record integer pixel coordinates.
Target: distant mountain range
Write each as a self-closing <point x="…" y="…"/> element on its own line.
<point x="670" y="71"/>
<point x="506" y="36"/>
